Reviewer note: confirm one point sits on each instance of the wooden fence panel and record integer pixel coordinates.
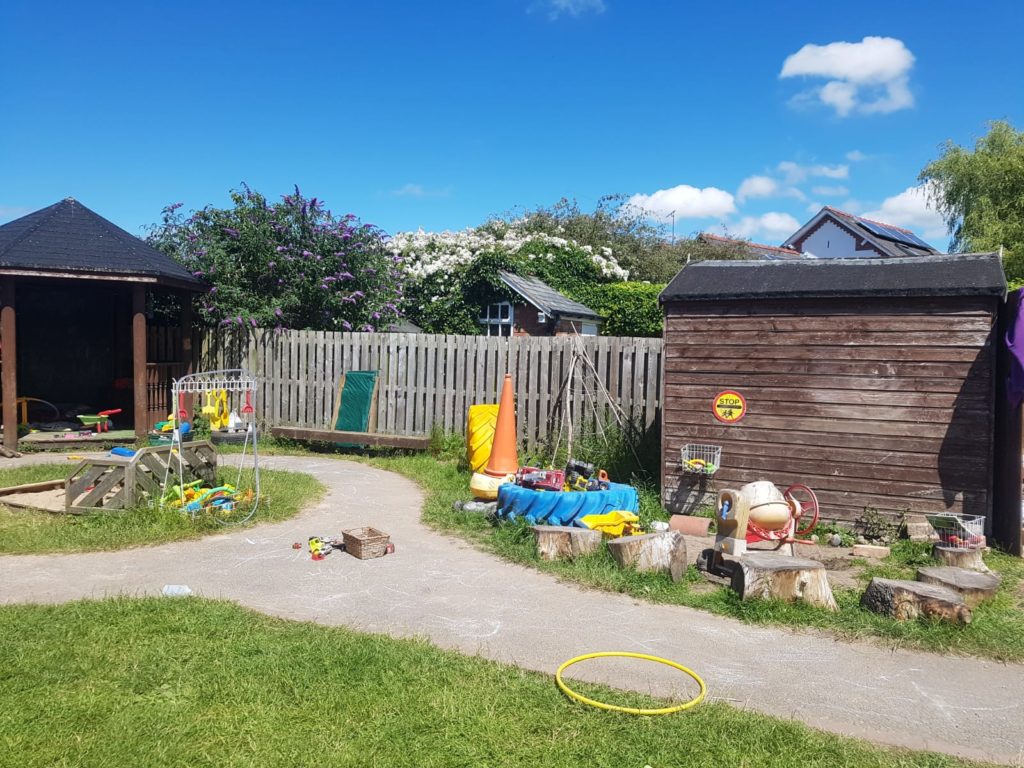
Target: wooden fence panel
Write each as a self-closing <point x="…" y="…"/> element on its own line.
<point x="428" y="382"/>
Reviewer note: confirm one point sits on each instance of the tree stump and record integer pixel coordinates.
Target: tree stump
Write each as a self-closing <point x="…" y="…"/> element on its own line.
<point x="661" y="552"/>
<point x="562" y="542"/>
<point x="972" y="586"/>
<point x="769" y="575"/>
<point x="905" y="600"/>
<point x="960" y="558"/>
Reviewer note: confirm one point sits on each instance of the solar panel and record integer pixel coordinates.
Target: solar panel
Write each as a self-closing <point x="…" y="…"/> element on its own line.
<point x="891" y="233"/>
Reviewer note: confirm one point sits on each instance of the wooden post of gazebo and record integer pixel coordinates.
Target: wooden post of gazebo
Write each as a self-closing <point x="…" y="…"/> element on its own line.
<point x="9" y="374"/>
<point x="141" y="396"/>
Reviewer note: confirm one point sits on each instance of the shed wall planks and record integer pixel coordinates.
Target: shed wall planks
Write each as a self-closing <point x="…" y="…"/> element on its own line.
<point x="873" y="403"/>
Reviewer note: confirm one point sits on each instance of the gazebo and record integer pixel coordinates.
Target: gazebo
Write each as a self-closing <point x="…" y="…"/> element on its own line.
<point x="77" y="293"/>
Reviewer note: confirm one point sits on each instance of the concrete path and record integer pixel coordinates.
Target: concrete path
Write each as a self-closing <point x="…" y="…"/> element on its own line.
<point x="440" y="588"/>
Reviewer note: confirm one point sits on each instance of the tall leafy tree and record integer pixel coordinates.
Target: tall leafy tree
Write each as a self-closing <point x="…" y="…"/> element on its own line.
<point x="287" y="264"/>
<point x="980" y="194"/>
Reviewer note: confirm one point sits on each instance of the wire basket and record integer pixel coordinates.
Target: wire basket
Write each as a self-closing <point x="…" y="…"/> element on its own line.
<point x="701" y="459"/>
<point x="365" y="543"/>
<point x="959" y="531"/>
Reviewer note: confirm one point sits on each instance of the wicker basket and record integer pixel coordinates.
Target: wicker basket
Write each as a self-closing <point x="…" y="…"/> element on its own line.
<point x="365" y="543"/>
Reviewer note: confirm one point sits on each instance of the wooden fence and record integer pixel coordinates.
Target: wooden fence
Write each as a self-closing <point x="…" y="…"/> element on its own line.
<point x="429" y="381"/>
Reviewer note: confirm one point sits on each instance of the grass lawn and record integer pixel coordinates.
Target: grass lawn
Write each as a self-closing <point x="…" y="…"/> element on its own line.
<point x="28" y="532"/>
<point x="188" y="682"/>
<point x="996" y="632"/>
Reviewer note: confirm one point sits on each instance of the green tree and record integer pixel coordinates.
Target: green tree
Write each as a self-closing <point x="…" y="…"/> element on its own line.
<point x="980" y="194"/>
<point x="287" y="264"/>
<point x="640" y="246"/>
<point x="628" y="309"/>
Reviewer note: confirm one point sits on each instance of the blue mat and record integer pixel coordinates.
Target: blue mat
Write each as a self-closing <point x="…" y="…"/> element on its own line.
<point x="563" y="508"/>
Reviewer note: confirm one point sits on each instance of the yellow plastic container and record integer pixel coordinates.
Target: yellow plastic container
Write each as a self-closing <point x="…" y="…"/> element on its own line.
<point x="614" y="523"/>
<point x="480" y="426"/>
<point x="485" y="487"/>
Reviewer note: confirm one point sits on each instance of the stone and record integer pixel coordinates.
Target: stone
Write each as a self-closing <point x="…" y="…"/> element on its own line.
<point x="659" y="552"/>
<point x="835" y="540"/>
<point x="769" y="575"/>
<point x="908" y="600"/>
<point x="476" y="507"/>
<point x="875" y="551"/>
<point x="917" y="528"/>
<point x="564" y="542"/>
<point x="974" y="587"/>
<point x="960" y="558"/>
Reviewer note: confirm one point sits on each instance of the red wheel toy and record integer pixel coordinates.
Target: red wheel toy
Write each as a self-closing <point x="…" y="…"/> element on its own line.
<point x="809" y="511"/>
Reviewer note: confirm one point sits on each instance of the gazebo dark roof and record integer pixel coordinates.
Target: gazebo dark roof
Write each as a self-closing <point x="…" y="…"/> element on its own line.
<point x="69" y="240"/>
<point x="967" y="274"/>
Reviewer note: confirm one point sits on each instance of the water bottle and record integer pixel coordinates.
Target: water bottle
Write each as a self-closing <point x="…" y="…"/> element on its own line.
<point x="176" y="590"/>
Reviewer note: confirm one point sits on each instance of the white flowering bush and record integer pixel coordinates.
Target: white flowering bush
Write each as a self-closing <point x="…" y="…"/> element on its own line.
<point x="449" y="276"/>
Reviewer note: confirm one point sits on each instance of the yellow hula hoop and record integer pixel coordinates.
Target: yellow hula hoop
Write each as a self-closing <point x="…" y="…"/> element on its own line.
<point x="630" y="710"/>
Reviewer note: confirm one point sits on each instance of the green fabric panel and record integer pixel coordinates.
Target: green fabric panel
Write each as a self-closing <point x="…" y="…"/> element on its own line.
<point x="356" y="400"/>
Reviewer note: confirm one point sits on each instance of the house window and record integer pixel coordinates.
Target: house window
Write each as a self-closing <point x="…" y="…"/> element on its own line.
<point x="589" y="329"/>
<point x="496" y="319"/>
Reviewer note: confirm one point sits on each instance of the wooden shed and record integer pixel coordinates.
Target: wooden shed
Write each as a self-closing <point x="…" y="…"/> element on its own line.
<point x="870" y="380"/>
<point x="77" y="293"/>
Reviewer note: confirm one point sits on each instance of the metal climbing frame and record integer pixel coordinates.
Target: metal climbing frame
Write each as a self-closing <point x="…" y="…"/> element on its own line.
<point x="230" y="381"/>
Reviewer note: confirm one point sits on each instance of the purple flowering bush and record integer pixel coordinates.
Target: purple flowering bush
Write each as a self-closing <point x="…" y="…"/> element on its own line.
<point x="290" y="264"/>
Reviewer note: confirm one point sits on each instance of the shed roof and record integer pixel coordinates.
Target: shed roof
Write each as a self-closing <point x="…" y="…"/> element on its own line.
<point x="68" y="239"/>
<point x="547" y="299"/>
<point x="968" y="274"/>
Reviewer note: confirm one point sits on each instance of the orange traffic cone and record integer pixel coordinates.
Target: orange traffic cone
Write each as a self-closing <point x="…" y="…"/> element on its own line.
<point x="504" y="457"/>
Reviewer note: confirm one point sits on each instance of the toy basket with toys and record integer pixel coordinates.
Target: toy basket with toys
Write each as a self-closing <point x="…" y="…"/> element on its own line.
<point x="959" y="531"/>
<point x="701" y="459"/>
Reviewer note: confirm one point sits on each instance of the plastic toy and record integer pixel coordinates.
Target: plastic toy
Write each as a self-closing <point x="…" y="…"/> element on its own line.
<point x="618" y="522"/>
<point x="541" y="479"/>
<point x="99" y="421"/>
<point x="631" y="710"/>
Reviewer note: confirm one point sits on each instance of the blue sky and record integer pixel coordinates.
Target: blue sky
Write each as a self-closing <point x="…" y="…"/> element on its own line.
<point x="435" y="115"/>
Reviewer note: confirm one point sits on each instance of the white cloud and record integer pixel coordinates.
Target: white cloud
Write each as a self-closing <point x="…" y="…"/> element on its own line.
<point x="765" y="186"/>
<point x="855" y="156"/>
<point x="418" y="190"/>
<point x="831" y="191"/>
<point x="871" y="76"/>
<point x="773" y="225"/>
<point x="757" y="186"/>
<point x="686" y="202"/>
<point x="556" y="9"/>
<point x="796" y="173"/>
<point x="910" y="209"/>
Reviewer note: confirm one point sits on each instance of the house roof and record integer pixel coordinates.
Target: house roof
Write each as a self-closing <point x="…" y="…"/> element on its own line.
<point x="968" y="274"/>
<point x="756" y="249"/>
<point x="887" y="239"/>
<point x="547" y="299"/>
<point x="67" y="239"/>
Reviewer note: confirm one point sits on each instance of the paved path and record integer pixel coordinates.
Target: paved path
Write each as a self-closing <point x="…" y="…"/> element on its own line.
<point x="443" y="589"/>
